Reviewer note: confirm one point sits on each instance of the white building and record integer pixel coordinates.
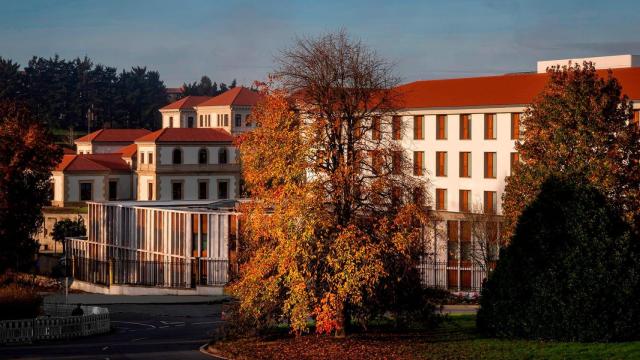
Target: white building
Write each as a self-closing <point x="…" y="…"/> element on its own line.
<point x="105" y="141"/>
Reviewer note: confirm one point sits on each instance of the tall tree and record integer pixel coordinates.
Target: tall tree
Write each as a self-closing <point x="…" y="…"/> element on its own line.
<point x="333" y="225"/>
<point x="11" y="81"/>
<point x="580" y="124"/>
<point x="27" y="156"/>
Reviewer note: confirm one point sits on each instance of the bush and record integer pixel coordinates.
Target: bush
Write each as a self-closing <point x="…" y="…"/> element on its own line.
<point x="19" y="302"/>
<point x="569" y="274"/>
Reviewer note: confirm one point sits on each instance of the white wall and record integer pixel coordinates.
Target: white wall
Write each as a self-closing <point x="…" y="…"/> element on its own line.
<point x="190" y="186"/>
<point x="190" y="154"/>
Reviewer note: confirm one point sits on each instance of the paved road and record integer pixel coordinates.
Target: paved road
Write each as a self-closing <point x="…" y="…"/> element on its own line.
<point x="141" y="331"/>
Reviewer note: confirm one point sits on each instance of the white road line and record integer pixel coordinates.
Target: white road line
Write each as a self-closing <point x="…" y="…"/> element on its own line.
<point x="138" y="339"/>
<point x="135" y="323"/>
<point x="162" y="327"/>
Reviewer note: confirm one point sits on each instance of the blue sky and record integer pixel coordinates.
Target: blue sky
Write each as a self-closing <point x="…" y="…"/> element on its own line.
<point x="184" y="39"/>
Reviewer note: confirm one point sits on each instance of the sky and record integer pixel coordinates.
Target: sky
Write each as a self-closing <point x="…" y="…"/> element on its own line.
<point x="185" y="39"/>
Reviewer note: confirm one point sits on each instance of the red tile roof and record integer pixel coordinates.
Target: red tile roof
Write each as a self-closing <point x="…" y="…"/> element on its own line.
<point x="127" y="151"/>
<point x="67" y="151"/>
<point x="510" y="89"/>
<point x="238" y="96"/>
<point x="187" y="102"/>
<point x="113" y="135"/>
<point x="187" y="135"/>
<point x="92" y="162"/>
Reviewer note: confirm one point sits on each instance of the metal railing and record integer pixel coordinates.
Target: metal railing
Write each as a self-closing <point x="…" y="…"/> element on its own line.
<point x="453" y="276"/>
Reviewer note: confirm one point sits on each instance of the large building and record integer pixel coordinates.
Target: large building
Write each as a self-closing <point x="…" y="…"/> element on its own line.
<point x="459" y="133"/>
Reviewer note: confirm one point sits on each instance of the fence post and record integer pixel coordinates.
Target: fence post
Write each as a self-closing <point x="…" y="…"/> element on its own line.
<point x="111" y="264"/>
<point x="73" y="266"/>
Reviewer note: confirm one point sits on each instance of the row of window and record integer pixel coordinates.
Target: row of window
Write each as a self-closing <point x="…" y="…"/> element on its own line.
<point x="490" y="127"/>
<point x="490" y="163"/>
<point x="205" y="120"/>
<point x="490" y="201"/>
<point x="86" y="191"/>
<point x="203" y="189"/>
<point x="177" y="158"/>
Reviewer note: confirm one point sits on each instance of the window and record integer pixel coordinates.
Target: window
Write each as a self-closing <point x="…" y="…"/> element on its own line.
<point x="201" y="120"/>
<point x="441" y="199"/>
<point x="465" y="127"/>
<point x="514" y="160"/>
<point x="150" y="191"/>
<point x="247" y="120"/>
<point x="176" y="190"/>
<point x="515" y="126"/>
<point x="418" y="195"/>
<point x="223" y="189"/>
<point x="490" y="126"/>
<point x="418" y="127"/>
<point x="238" y="120"/>
<point x="396" y="128"/>
<point x="452" y="240"/>
<point x="177" y="156"/>
<point x="636" y="119"/>
<point x="203" y="156"/>
<point x="465" y="200"/>
<point x="490" y="165"/>
<point x="490" y="202"/>
<point x="203" y="189"/>
<point x="465" y="164"/>
<point x="376" y="162"/>
<point x="170" y="121"/>
<point x="150" y="158"/>
<point x="226" y="119"/>
<point x="465" y="240"/>
<point x="218" y="122"/>
<point x="222" y="156"/>
<point x="441" y="163"/>
<point x="418" y="163"/>
<point x="441" y="127"/>
<point x="397" y="162"/>
<point x="113" y="189"/>
<point x="142" y="158"/>
<point x="86" y="191"/>
<point x="375" y="129"/>
<point x="190" y="122"/>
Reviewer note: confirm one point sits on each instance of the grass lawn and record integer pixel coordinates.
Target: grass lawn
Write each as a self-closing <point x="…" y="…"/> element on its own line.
<point x="455" y="339"/>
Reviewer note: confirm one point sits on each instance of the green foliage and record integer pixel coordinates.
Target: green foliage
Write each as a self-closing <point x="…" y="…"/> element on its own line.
<point x="570" y="272"/>
<point x="206" y="88"/>
<point x="19" y="302"/>
<point x="68" y="228"/>
<point x="63" y="93"/>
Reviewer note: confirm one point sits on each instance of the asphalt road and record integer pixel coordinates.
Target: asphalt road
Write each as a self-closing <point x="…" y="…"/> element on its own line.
<point x="141" y="331"/>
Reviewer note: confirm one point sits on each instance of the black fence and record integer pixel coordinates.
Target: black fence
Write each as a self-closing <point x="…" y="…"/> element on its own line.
<point x="462" y="276"/>
<point x="175" y="273"/>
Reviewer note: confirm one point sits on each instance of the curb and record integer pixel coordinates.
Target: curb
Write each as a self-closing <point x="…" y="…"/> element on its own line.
<point x="203" y="350"/>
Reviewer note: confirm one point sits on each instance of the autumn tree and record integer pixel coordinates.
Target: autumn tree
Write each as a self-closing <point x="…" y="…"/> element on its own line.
<point x="334" y="225"/>
<point x="484" y="232"/>
<point x="27" y="156"/>
<point x="581" y="124"/>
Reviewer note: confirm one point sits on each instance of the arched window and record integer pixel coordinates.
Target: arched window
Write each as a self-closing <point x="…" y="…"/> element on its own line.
<point x="203" y="156"/>
<point x="222" y="156"/>
<point x="177" y="156"/>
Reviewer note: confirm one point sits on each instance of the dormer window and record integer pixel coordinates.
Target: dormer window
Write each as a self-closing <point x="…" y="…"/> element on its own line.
<point x="177" y="156"/>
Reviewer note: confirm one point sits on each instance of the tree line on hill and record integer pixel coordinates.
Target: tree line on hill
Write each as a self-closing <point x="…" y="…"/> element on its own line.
<point x="82" y="95"/>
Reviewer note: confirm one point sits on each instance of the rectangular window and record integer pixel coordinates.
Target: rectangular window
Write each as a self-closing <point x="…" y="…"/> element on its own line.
<point x="113" y="190"/>
<point x="86" y="191"/>
<point x="150" y="158"/>
<point x="375" y="129"/>
<point x="418" y="195"/>
<point x="150" y="191"/>
<point x="201" y="120"/>
<point x="247" y="120"/>
<point x="223" y="189"/>
<point x="636" y="119"/>
<point x="465" y="241"/>
<point x="490" y="165"/>
<point x="418" y="127"/>
<point x="170" y="121"/>
<point x="490" y="202"/>
<point x="218" y="120"/>
<point x="465" y="231"/>
<point x="397" y="162"/>
<point x="376" y="162"/>
<point x="515" y="126"/>
<point x="465" y="127"/>
<point x="441" y="163"/>
<point x="396" y="128"/>
<point x="490" y="126"/>
<point x="418" y="163"/>
<point x="176" y="190"/>
<point x="452" y="240"/>
<point x="465" y="164"/>
<point x="226" y="119"/>
<point x="515" y="159"/>
<point x="441" y="199"/>
<point x="142" y="155"/>
<point x="441" y="127"/>
<point x="465" y="200"/>
<point x="238" y="120"/>
<point x="203" y="189"/>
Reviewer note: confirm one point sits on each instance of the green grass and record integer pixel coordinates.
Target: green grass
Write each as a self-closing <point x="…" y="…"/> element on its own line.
<point x="457" y="339"/>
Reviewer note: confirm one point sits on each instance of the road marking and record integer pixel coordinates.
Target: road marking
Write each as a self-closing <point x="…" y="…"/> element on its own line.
<point x="135" y="323"/>
<point x="162" y="327"/>
<point x="172" y="322"/>
<point x="138" y="339"/>
<point x="105" y="348"/>
<point x="207" y="322"/>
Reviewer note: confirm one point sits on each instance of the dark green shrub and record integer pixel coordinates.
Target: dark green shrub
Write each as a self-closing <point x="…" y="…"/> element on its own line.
<point x="570" y="272"/>
<point x="19" y="302"/>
